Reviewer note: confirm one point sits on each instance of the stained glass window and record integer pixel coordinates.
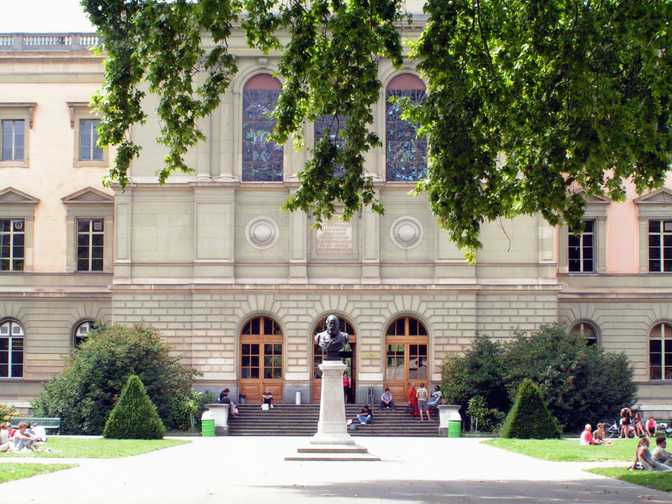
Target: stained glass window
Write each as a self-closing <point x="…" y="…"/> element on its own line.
<point x="406" y="154"/>
<point x="262" y="160"/>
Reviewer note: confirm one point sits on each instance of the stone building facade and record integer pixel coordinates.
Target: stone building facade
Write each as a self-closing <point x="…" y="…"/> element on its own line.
<point x="239" y="288"/>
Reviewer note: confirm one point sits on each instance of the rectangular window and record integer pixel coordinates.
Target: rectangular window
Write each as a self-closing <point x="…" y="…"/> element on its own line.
<point x="581" y="248"/>
<point x="12" y="242"/>
<point x="660" y="246"/>
<point x="90" y="244"/>
<point x="88" y="140"/>
<point x="13" y="137"/>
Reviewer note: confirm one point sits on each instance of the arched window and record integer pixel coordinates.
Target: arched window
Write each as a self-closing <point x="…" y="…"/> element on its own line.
<point x="660" y="352"/>
<point x="406" y="357"/>
<point x="262" y="160"/>
<point x="406" y="154"/>
<point x="261" y="358"/>
<point x="587" y="331"/>
<point x="11" y="349"/>
<point x="82" y="331"/>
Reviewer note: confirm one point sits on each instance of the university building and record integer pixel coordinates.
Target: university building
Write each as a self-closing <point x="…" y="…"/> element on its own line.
<point x="239" y="288"/>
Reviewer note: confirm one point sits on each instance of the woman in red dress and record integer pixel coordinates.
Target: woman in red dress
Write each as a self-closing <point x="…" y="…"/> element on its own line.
<point x="412" y="401"/>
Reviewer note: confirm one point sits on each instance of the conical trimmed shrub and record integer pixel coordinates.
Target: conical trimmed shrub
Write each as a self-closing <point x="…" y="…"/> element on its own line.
<point x="134" y="416"/>
<point x="529" y="417"/>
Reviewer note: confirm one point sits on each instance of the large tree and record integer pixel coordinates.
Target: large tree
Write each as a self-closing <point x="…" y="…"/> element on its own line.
<point x="527" y="100"/>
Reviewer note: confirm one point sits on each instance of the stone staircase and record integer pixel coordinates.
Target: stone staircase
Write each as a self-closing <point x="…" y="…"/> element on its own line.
<point x="293" y="420"/>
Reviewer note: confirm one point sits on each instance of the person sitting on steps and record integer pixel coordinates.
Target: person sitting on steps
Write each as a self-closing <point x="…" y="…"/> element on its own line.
<point x="386" y="400"/>
<point x="268" y="399"/>
<point x="225" y="399"/>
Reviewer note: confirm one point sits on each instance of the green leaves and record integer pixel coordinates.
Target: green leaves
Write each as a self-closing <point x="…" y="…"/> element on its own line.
<point x="527" y="100"/>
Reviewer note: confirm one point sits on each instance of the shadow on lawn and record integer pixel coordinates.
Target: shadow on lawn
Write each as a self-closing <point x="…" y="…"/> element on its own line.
<point x="593" y="491"/>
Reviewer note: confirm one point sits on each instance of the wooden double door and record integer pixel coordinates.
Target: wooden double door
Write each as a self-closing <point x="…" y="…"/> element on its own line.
<point x="406" y="357"/>
<point x="261" y="359"/>
<point x="349" y="356"/>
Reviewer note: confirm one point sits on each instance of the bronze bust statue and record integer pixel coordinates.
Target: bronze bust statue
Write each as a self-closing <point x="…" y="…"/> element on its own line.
<point x="332" y="340"/>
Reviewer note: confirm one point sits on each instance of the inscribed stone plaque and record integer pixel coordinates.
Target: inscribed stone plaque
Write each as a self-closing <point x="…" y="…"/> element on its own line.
<point x="334" y="239"/>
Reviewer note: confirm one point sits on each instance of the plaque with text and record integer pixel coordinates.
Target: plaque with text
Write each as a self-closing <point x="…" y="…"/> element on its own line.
<point x="334" y="239"/>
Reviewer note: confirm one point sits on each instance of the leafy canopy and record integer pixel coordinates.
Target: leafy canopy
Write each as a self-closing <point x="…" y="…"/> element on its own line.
<point x="526" y="99"/>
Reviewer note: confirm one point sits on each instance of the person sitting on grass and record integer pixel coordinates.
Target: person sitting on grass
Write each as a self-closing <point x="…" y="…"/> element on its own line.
<point x="386" y="400"/>
<point x="651" y="426"/>
<point x="5" y="442"/>
<point x="639" y="427"/>
<point x="587" y="438"/>
<point x="600" y="433"/>
<point x="644" y="459"/>
<point x="22" y="439"/>
<point x="660" y="454"/>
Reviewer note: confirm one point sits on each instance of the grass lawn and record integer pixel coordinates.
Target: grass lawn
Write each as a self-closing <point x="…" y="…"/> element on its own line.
<point x="656" y="480"/>
<point x="98" y="448"/>
<point x="9" y="472"/>
<point x="567" y="450"/>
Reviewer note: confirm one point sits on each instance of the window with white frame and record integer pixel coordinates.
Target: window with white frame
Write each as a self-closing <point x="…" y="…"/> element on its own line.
<point x="82" y="331"/>
<point x="660" y="245"/>
<point x="13" y="139"/>
<point x="88" y="140"/>
<point x="660" y="352"/>
<point x="586" y="331"/>
<point x="12" y="244"/>
<point x="90" y="244"/>
<point x="581" y="248"/>
<point x="11" y="349"/>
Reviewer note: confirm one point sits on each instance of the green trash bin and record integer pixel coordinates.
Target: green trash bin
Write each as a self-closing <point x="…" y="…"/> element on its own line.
<point x="208" y="428"/>
<point x="454" y="428"/>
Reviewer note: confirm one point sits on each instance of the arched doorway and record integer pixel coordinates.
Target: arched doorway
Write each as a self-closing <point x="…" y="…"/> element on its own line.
<point x="406" y="356"/>
<point x="349" y="357"/>
<point x="261" y="362"/>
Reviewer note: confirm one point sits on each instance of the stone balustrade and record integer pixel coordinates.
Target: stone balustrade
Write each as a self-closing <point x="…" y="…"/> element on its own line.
<point x="47" y="41"/>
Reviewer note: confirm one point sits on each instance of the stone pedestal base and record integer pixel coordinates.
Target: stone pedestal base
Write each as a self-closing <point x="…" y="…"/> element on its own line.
<point x="332" y="441"/>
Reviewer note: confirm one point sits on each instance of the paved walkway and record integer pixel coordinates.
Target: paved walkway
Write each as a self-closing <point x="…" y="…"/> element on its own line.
<point x="252" y="470"/>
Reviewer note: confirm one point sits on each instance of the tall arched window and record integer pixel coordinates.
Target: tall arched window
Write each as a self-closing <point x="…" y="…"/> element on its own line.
<point x="261" y="358"/>
<point x="262" y="160"/>
<point x="406" y="356"/>
<point x="587" y="331"/>
<point x="11" y="349"/>
<point x="660" y="352"/>
<point x="406" y="154"/>
<point x="82" y="331"/>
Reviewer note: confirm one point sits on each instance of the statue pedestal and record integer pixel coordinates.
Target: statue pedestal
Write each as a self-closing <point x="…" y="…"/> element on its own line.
<point x="331" y="429"/>
<point x="332" y="441"/>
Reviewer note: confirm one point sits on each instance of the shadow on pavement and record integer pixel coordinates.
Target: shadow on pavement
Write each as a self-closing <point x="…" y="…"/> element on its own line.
<point x="593" y="491"/>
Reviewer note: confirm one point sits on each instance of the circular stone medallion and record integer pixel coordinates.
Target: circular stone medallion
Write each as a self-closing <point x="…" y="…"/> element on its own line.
<point x="406" y="232"/>
<point x="262" y="232"/>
